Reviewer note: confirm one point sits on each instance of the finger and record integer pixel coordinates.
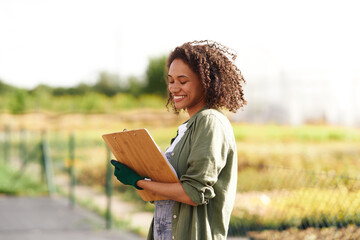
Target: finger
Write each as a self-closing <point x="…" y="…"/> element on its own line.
<point x="115" y="163"/>
<point x="120" y="167"/>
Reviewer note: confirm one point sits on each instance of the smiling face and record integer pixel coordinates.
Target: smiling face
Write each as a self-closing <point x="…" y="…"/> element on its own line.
<point x="185" y="87"/>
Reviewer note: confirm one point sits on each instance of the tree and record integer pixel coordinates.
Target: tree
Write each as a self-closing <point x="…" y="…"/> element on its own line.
<point x="6" y="88"/>
<point x="135" y="87"/>
<point x="41" y="89"/>
<point x="108" y="83"/>
<point x="155" y="76"/>
<point x="83" y="89"/>
<point x="18" y="102"/>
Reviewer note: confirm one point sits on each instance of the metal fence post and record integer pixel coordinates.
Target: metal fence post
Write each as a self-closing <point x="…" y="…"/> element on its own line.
<point x="71" y="169"/>
<point x="47" y="164"/>
<point x="109" y="189"/>
<point x="22" y="147"/>
<point x="7" y="144"/>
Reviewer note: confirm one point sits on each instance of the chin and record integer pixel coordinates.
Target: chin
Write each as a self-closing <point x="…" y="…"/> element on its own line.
<point x="178" y="106"/>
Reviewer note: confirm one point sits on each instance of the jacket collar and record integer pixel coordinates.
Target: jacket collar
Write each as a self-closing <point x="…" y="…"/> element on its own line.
<point x="193" y="118"/>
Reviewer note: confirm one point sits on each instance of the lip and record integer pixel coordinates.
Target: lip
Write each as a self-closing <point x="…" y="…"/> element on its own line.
<point x="178" y="98"/>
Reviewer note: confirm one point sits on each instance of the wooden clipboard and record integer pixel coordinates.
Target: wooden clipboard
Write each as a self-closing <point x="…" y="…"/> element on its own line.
<point x="137" y="150"/>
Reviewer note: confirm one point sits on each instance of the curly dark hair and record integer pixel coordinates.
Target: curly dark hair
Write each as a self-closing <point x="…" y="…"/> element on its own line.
<point x="220" y="77"/>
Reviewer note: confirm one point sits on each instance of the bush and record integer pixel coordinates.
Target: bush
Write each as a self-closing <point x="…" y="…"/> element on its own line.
<point x="13" y="183"/>
<point x="18" y="102"/>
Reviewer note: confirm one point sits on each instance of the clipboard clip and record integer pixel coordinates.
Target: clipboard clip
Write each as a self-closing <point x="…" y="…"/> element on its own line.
<point x="126" y="130"/>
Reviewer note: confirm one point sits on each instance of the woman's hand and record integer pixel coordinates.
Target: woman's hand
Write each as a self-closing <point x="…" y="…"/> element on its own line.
<point x="126" y="175"/>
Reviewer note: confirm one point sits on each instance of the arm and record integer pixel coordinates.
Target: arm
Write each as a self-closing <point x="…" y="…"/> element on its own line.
<point x="174" y="191"/>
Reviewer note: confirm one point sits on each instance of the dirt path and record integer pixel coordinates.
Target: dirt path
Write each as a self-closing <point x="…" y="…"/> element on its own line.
<point x="50" y="218"/>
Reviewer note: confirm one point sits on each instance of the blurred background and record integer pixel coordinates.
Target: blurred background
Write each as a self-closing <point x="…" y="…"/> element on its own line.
<point x="71" y="71"/>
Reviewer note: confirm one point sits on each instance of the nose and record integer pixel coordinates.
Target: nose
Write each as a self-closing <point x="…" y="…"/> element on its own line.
<point x="174" y="87"/>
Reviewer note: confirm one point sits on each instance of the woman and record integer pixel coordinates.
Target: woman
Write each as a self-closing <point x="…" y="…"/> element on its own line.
<point x="201" y="80"/>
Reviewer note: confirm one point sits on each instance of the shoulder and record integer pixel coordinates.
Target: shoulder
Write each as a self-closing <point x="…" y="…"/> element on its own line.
<point x="211" y="131"/>
<point x="213" y="116"/>
<point x="211" y="112"/>
<point x="212" y="121"/>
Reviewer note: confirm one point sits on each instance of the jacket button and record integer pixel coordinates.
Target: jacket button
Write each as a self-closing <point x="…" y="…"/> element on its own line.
<point x="173" y="237"/>
<point x="174" y="216"/>
<point x="172" y="154"/>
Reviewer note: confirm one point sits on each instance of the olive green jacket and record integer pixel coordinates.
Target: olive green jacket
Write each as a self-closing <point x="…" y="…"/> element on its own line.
<point x="205" y="160"/>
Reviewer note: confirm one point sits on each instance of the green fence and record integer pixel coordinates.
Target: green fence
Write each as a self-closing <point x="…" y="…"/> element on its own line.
<point x="286" y="203"/>
<point x="299" y="199"/>
<point x="50" y="154"/>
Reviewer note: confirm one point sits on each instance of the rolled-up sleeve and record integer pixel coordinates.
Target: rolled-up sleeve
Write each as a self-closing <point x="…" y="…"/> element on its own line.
<point x="206" y="159"/>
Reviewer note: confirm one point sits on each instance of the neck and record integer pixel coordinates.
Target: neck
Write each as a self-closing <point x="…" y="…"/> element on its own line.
<point x="191" y="112"/>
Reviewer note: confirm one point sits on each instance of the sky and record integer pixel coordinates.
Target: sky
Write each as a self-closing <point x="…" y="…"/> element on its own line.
<point x="63" y="43"/>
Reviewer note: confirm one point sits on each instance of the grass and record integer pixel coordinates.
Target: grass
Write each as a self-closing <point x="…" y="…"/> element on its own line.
<point x="15" y="183"/>
<point x="305" y="133"/>
<point x="316" y="207"/>
<point x="283" y="198"/>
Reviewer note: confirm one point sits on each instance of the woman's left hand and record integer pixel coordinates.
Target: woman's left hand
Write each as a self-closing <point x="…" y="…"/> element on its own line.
<point x="126" y="175"/>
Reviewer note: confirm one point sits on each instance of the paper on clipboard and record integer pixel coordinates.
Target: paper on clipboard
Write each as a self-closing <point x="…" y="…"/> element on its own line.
<point x="138" y="150"/>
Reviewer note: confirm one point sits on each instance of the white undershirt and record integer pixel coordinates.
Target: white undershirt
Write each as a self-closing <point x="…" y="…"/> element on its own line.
<point x="163" y="208"/>
<point x="168" y="152"/>
<point x="182" y="129"/>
